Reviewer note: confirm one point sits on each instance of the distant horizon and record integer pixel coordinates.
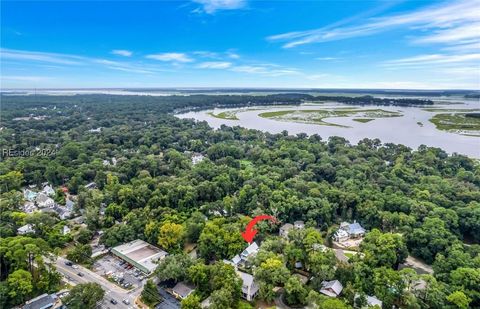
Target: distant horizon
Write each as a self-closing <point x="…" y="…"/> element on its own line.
<point x="185" y="88"/>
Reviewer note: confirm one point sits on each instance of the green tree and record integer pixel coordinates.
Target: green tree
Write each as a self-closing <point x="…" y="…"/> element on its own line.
<point x="191" y="302"/>
<point x="80" y="254"/>
<point x="20" y="285"/>
<point x="459" y="299"/>
<point x="295" y="292"/>
<point x="384" y="249"/>
<point x="84" y="236"/>
<point x="171" y="236"/>
<point x="174" y="267"/>
<point x="150" y="295"/>
<point x="84" y="296"/>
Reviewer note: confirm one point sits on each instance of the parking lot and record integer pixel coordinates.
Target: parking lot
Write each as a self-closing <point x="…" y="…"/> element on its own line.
<point x="168" y="302"/>
<point x="118" y="271"/>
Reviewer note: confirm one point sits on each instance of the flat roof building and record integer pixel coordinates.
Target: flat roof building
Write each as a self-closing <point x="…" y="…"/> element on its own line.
<point x="140" y="254"/>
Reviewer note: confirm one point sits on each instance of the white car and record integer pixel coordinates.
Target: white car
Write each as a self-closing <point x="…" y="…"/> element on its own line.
<point x="75" y="266"/>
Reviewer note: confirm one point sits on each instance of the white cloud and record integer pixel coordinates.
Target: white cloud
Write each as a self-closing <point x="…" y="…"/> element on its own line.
<point x="171" y="57"/>
<point x="25" y="78"/>
<point x="22" y="55"/>
<point x="212" y="6"/>
<point x="233" y="55"/>
<point x="264" y="70"/>
<point x="214" y="65"/>
<point x="122" y="52"/>
<point x="443" y="23"/>
<point x="326" y="58"/>
<point x="206" y="54"/>
<point x="433" y="59"/>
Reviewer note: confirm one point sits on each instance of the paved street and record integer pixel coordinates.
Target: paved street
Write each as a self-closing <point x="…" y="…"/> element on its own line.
<point x="112" y="291"/>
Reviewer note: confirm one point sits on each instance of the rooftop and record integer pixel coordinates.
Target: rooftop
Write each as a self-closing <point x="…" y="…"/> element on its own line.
<point x="40" y="302"/>
<point x="183" y="289"/>
<point x="141" y="252"/>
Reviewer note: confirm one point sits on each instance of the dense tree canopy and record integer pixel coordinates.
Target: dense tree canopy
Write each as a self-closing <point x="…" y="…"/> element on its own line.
<point x="421" y="202"/>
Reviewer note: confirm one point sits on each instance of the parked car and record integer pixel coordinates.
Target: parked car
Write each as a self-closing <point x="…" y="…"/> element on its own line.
<point x="80" y="274"/>
<point x="68" y="263"/>
<point x="75" y="266"/>
<point x="113" y="301"/>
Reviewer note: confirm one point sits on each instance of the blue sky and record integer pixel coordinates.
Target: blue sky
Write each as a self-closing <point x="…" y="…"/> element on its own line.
<point x="241" y="43"/>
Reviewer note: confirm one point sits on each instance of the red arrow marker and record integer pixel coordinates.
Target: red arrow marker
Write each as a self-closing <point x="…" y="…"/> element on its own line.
<point x="250" y="232"/>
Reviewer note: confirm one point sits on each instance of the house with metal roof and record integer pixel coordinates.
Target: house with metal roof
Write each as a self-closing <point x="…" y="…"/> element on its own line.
<point x="249" y="286"/>
<point x="354" y="230"/>
<point x="331" y="288"/>
<point x="182" y="290"/>
<point x="41" y="302"/>
<point x="251" y="250"/>
<point x="44" y="201"/>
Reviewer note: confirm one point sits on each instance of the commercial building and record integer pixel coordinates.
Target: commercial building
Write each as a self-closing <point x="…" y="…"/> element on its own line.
<point x="140" y="254"/>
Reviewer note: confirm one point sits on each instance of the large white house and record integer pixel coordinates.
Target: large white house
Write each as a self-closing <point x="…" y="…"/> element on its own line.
<point x="43" y="201"/>
<point x="249" y="286"/>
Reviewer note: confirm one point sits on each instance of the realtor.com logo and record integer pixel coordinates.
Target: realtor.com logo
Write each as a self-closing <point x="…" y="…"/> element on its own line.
<point x="28" y="153"/>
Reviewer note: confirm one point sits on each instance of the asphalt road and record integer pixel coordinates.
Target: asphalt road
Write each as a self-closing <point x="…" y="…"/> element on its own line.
<point x="112" y="291"/>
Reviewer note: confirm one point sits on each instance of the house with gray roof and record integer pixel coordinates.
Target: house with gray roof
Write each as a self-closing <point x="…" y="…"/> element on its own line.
<point x="69" y="204"/>
<point x="331" y="288"/>
<point x="48" y="190"/>
<point x="44" y="201"/>
<point x="354" y="230"/>
<point x="43" y="301"/>
<point x="182" y="290"/>
<point x="249" y="286"/>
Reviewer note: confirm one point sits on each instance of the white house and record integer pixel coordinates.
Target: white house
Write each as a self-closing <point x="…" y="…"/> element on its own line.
<point x="249" y="251"/>
<point x="43" y="201"/>
<point x="65" y="230"/>
<point x="26" y="229"/>
<point x="48" y="190"/>
<point x="372" y="301"/>
<point x="331" y="288"/>
<point x="340" y="236"/>
<point x="249" y="286"/>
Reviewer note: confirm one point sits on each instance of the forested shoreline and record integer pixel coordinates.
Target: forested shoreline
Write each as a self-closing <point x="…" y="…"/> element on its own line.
<point x="420" y="202"/>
